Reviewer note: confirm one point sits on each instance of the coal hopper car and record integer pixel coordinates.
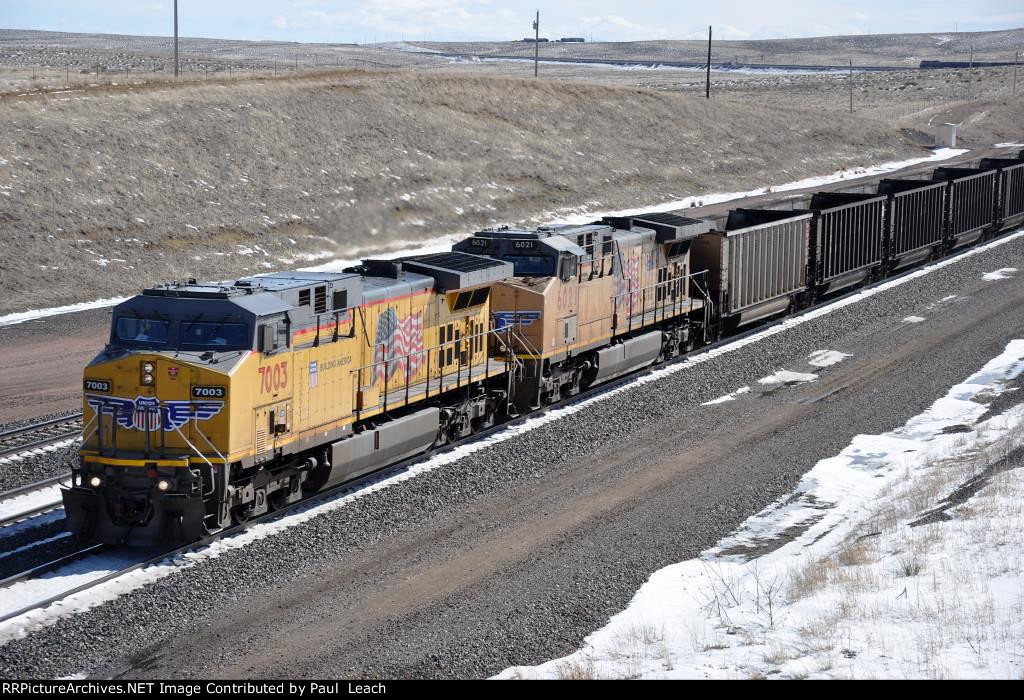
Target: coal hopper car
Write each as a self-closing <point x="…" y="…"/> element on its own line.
<point x="970" y="204"/>
<point x="1010" y="198"/>
<point x="915" y="220"/>
<point x="756" y="262"/>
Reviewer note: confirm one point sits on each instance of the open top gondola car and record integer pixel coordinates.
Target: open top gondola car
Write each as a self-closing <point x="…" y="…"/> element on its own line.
<point x="915" y="225"/>
<point x="970" y="203"/>
<point x="1010" y="199"/>
<point x="847" y="239"/>
<point x="757" y="264"/>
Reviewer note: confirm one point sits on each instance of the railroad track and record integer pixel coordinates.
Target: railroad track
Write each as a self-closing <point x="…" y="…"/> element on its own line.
<point x="47" y="597"/>
<point x="30" y="500"/>
<point x="40" y="434"/>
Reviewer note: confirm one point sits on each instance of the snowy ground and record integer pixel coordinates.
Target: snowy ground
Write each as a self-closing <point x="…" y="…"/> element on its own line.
<point x="655" y="66"/>
<point x="900" y="557"/>
<point x="17" y="507"/>
<point x="36" y="451"/>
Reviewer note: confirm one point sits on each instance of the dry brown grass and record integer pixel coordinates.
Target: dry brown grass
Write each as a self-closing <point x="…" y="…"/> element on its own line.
<point x="576" y="670"/>
<point x="360" y="159"/>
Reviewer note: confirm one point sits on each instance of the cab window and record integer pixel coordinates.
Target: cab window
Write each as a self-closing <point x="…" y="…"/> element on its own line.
<point x="214" y="336"/>
<point x="531" y="265"/>
<point x="142" y="330"/>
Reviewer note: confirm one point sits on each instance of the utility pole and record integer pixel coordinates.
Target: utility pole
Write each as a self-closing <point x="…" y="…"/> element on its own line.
<point x="536" y="43"/>
<point x="175" y="38"/>
<point x="851" y="86"/>
<point x="1016" y="59"/>
<point x="970" y="76"/>
<point x="707" y="84"/>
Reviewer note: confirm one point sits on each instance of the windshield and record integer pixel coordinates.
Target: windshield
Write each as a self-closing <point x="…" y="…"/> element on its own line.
<point x="531" y="265"/>
<point x="142" y="330"/>
<point x="214" y="336"/>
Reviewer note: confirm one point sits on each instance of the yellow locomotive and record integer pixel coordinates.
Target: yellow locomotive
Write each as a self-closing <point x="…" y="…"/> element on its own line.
<point x="215" y="403"/>
<point x="593" y="302"/>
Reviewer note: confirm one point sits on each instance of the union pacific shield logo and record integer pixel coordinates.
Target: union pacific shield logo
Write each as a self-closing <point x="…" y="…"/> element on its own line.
<point x="148" y="413"/>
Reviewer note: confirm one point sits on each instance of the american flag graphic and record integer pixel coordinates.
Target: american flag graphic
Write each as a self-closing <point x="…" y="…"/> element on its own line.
<point x="399" y="346"/>
<point x="628" y="280"/>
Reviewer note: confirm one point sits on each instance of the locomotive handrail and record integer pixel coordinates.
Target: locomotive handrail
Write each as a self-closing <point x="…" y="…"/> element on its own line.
<point x="642" y="291"/>
<point x="213" y="447"/>
<point x="194" y="448"/>
<point x="446" y="369"/>
<point x="85" y="438"/>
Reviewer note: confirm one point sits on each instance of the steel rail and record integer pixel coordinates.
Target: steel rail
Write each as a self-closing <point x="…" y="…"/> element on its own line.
<point x="39" y="427"/>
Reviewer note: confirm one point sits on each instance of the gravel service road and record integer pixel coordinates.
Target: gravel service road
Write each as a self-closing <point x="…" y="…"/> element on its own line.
<point x="514" y="554"/>
<point x="41" y="372"/>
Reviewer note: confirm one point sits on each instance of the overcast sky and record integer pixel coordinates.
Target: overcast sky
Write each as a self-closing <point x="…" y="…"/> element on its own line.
<point x="611" y="20"/>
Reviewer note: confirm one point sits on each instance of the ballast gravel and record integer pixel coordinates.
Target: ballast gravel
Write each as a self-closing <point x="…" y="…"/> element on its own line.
<point x="546" y="605"/>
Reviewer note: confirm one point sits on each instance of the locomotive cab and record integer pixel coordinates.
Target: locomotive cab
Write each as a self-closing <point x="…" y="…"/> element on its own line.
<point x="156" y="417"/>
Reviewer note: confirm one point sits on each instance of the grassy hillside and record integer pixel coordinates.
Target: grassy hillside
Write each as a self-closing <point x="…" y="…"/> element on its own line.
<point x="867" y="49"/>
<point x="107" y="189"/>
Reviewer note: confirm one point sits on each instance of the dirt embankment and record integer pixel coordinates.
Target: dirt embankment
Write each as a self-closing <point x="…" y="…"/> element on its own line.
<point x="103" y="191"/>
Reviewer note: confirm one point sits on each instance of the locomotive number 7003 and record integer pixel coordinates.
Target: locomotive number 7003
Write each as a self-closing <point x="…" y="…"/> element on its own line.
<point x="274" y="377"/>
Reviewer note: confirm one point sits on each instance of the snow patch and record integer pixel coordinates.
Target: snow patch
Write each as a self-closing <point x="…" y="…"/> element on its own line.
<point x="33" y="545"/>
<point x="728" y="397"/>
<point x="22" y="316"/>
<point x="784" y="376"/>
<point x="826" y="358"/>
<point x="914" y="319"/>
<point x="36" y="451"/>
<point x="1000" y="274"/>
<point x="23" y="505"/>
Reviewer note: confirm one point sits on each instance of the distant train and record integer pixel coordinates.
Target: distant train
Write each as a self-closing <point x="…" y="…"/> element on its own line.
<point x="214" y="403"/>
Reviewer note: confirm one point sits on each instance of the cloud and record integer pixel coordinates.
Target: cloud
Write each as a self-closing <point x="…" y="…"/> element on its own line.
<point x="280" y="22"/>
<point x="419" y="18"/>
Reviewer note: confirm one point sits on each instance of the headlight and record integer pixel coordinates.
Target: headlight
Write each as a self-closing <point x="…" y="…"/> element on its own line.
<point x="163" y="484"/>
<point x="147" y="379"/>
<point x="95" y="482"/>
<point x="148" y="367"/>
